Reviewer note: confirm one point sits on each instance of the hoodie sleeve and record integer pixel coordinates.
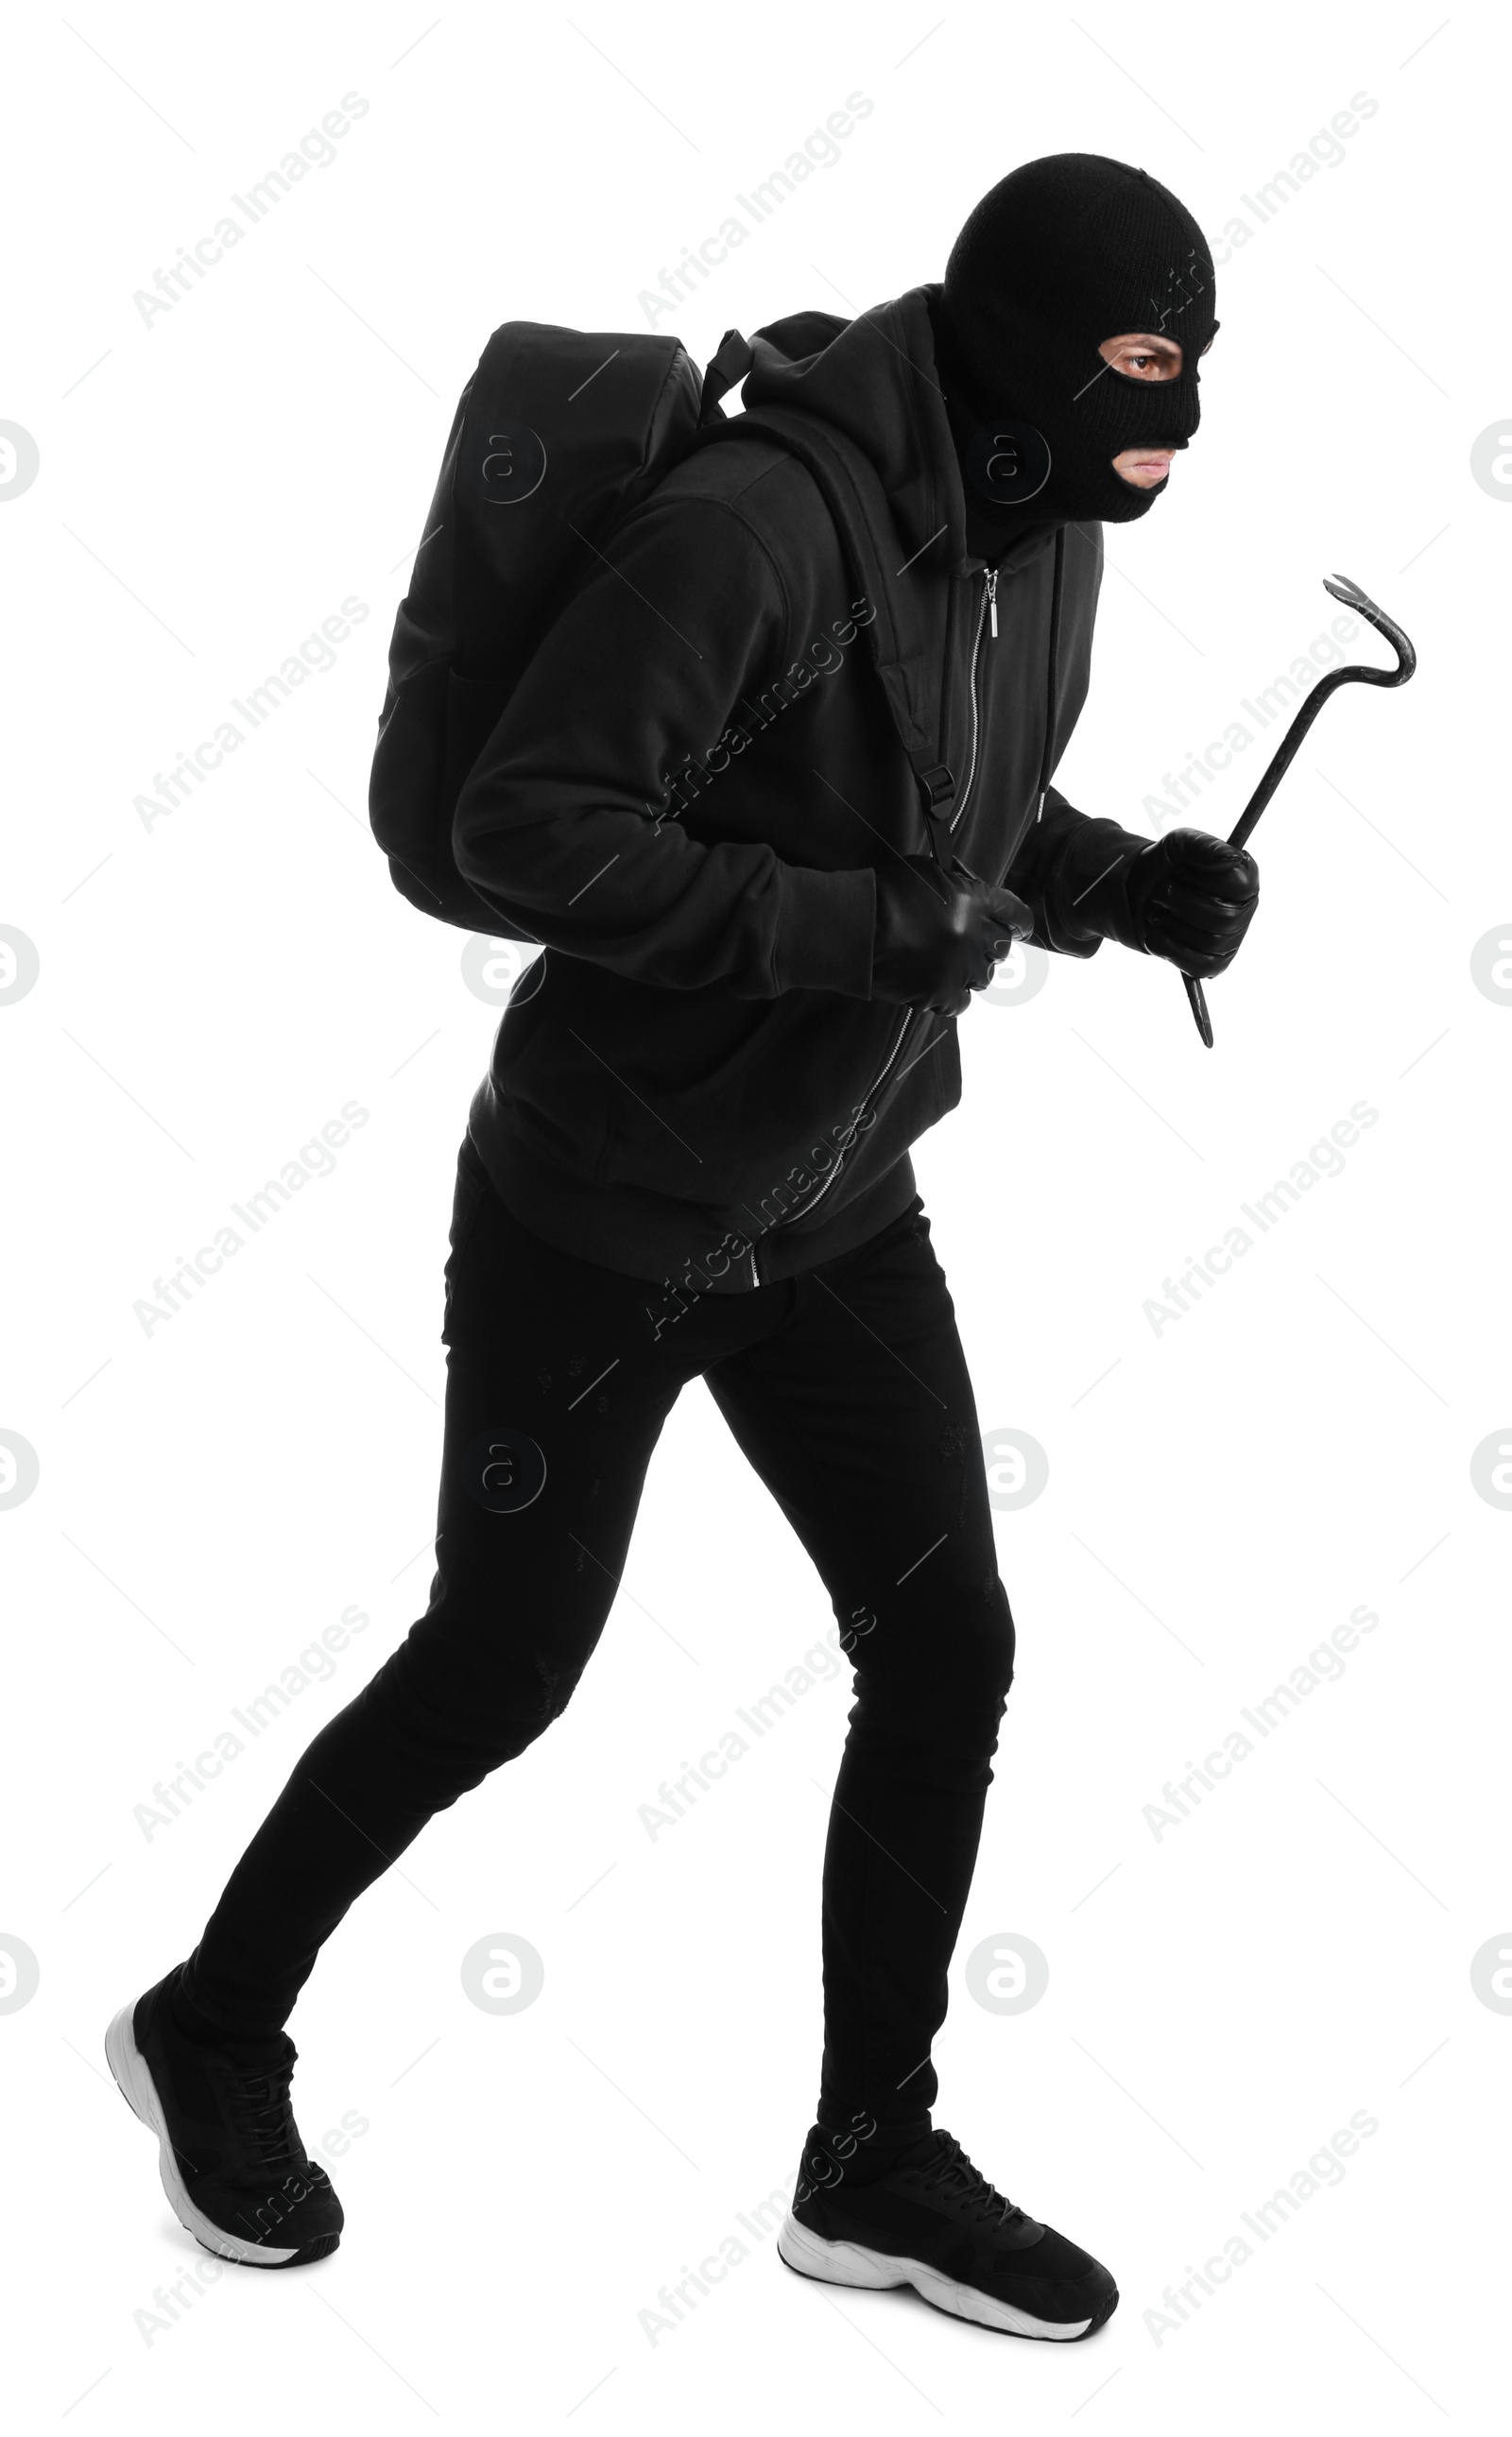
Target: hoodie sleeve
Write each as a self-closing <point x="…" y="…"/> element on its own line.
<point x="1071" y="871"/>
<point x="565" y="821"/>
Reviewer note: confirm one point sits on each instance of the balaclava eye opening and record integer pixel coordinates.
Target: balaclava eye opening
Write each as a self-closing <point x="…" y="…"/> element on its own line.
<point x="1062" y="253"/>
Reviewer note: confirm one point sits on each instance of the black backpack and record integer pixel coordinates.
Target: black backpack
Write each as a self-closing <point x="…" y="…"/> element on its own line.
<point x="608" y="417"/>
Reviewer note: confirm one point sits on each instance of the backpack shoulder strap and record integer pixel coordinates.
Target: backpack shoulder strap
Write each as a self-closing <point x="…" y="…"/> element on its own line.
<point x="909" y="657"/>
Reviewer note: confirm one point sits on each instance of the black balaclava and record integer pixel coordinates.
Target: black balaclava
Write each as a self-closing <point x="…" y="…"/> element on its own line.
<point x="1062" y="253"/>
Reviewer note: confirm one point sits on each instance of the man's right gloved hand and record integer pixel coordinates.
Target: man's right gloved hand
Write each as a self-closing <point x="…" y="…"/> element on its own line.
<point x="939" y="934"/>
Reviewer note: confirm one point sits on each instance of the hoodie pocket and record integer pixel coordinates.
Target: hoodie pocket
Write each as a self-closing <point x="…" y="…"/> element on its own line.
<point x="781" y="1100"/>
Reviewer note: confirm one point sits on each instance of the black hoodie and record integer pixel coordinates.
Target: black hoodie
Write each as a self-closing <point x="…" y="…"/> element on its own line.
<point x="687" y="797"/>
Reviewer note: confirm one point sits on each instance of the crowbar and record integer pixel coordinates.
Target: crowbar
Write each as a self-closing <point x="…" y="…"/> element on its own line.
<point x="1342" y="589"/>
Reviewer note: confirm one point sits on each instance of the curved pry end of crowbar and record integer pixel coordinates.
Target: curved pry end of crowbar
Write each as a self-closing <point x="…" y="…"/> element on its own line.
<point x="1344" y="589"/>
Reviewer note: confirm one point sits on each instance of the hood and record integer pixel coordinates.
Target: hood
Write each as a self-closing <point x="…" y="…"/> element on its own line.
<point x="875" y="379"/>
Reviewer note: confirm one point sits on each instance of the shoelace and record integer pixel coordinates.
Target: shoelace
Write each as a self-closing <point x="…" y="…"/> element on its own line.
<point x="952" y="2171"/>
<point x="257" y="2104"/>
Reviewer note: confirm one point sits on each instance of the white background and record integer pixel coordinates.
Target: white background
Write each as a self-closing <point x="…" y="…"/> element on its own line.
<point x="1220" y="1496"/>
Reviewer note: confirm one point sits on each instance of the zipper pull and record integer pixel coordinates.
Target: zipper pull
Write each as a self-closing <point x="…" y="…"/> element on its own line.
<point x="992" y="596"/>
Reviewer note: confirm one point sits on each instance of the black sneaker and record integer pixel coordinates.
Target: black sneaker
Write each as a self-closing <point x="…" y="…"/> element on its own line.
<point x="934" y="2223"/>
<point x="232" y="2162"/>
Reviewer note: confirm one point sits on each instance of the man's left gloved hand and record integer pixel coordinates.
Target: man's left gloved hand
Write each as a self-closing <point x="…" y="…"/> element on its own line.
<point x="1193" y="898"/>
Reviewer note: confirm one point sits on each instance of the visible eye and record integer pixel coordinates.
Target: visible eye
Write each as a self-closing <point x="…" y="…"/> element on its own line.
<point x="1140" y="355"/>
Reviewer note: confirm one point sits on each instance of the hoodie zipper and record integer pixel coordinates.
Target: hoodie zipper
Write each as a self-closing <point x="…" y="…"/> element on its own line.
<point x="987" y="604"/>
<point x="988" y="601"/>
<point x="900" y="1036"/>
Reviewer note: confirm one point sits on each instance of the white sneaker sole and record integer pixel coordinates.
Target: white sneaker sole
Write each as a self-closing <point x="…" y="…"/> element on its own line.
<point x="136" y="2086"/>
<point x="874" y="2272"/>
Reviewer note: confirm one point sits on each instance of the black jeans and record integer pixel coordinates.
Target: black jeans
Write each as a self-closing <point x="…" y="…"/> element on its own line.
<point x="848" y="1390"/>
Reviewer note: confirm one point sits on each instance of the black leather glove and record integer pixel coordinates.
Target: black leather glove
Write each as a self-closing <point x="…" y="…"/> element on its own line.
<point x="1193" y="898"/>
<point x="938" y="934"/>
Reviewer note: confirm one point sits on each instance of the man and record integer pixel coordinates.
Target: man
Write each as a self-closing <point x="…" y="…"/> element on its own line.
<point x="691" y="1158"/>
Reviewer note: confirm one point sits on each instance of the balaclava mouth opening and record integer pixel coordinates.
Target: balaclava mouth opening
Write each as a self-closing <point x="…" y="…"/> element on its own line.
<point x="1062" y="253"/>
